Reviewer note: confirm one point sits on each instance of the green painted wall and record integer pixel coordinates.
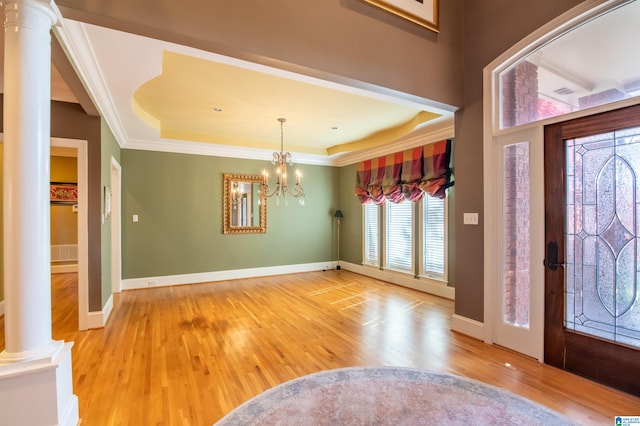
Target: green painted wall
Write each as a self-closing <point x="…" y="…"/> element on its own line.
<point x="178" y="200"/>
<point x="109" y="148"/>
<point x="351" y="229"/>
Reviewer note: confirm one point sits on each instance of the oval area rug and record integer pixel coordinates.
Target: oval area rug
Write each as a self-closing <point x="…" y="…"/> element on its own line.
<point x="389" y="396"/>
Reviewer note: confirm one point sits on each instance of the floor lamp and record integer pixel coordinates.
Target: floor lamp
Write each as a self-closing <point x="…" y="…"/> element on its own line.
<point x="338" y="215"/>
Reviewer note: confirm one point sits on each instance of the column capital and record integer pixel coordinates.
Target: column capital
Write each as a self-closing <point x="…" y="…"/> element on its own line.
<point x="45" y="8"/>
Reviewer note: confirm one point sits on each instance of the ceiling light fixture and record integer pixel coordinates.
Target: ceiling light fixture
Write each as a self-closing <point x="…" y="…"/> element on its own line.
<point x="281" y="160"/>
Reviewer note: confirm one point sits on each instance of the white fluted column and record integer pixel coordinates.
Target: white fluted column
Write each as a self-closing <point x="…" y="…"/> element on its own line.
<point x="27" y="112"/>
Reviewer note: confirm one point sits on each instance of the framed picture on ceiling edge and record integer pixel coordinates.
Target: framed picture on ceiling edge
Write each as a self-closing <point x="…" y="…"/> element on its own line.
<point x="421" y="12"/>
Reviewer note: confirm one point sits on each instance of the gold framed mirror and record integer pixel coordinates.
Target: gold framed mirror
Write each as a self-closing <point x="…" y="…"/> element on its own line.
<point x="245" y="209"/>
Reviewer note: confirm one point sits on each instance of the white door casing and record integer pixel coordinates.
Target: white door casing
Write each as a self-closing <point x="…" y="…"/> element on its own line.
<point x="526" y="340"/>
<point x="116" y="226"/>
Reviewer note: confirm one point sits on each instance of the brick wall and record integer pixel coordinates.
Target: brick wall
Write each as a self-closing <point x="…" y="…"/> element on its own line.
<point x="520" y="94"/>
<point x="516" y="234"/>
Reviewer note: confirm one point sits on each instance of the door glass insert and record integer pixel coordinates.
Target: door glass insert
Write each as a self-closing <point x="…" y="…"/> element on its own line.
<point x="602" y="244"/>
<point x="516" y="235"/>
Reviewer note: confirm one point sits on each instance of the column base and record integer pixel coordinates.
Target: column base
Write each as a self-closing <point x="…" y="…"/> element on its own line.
<point x="39" y="355"/>
<point x="39" y="391"/>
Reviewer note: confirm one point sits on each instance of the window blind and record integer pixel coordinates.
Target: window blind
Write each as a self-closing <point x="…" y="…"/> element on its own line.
<point x="399" y="234"/>
<point x="372" y="234"/>
<point x="434" y="237"/>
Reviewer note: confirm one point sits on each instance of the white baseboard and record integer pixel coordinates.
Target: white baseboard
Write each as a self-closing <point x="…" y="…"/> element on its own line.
<point x="98" y="319"/>
<point x="467" y="326"/>
<point x="106" y="310"/>
<point x="425" y="285"/>
<point x="64" y="269"/>
<point x="94" y="320"/>
<point x="169" y="280"/>
<point x="1" y="308"/>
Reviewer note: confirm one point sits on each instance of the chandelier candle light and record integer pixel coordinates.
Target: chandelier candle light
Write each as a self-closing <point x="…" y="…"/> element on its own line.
<point x="281" y="160"/>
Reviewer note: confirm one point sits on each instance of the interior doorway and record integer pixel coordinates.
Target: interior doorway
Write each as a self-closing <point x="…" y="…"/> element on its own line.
<point x="80" y="148"/>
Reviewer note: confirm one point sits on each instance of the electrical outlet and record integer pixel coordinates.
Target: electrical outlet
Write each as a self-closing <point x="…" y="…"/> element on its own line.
<point x="151" y="283"/>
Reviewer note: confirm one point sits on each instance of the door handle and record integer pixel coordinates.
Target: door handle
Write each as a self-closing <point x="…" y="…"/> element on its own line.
<point x="552" y="256"/>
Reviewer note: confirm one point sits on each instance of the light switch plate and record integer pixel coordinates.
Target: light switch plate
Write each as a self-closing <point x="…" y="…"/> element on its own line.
<point x="135" y="217"/>
<point x="470" y="218"/>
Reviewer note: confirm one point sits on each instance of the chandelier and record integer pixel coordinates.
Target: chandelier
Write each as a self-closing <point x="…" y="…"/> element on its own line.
<point x="281" y="160"/>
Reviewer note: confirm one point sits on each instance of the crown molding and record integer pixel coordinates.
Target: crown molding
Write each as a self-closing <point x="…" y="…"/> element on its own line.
<point x="75" y="43"/>
<point x="423" y="136"/>
<point x="213" y="150"/>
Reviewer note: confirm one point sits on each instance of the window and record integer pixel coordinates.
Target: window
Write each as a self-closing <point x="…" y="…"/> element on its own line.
<point x="550" y="82"/>
<point x="399" y="236"/>
<point x="434" y="241"/>
<point x="371" y="234"/>
<point x="398" y="229"/>
<point x="516" y="225"/>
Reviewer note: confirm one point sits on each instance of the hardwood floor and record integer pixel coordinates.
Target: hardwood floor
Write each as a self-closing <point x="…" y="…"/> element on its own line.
<point x="186" y="355"/>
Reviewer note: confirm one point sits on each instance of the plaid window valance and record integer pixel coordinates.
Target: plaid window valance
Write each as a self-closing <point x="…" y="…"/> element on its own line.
<point x="405" y="175"/>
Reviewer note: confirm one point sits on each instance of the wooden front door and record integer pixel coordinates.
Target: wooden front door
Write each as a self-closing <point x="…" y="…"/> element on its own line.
<point x="592" y="273"/>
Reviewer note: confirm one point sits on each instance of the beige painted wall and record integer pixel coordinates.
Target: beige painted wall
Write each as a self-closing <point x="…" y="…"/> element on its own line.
<point x="64" y="222"/>
<point x="1" y="222"/>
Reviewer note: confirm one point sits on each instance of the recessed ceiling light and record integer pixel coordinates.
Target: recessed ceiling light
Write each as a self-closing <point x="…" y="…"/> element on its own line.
<point x="217" y="109"/>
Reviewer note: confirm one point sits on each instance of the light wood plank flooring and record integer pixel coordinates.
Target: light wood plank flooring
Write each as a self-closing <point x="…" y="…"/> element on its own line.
<point x="186" y="355"/>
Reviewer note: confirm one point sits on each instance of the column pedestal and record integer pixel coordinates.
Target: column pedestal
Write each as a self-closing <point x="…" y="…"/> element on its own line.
<point x="40" y="391"/>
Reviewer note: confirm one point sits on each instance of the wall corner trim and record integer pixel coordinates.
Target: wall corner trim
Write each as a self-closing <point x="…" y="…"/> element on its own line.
<point x="467" y="326"/>
<point x="106" y="310"/>
<point x="98" y="319"/>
